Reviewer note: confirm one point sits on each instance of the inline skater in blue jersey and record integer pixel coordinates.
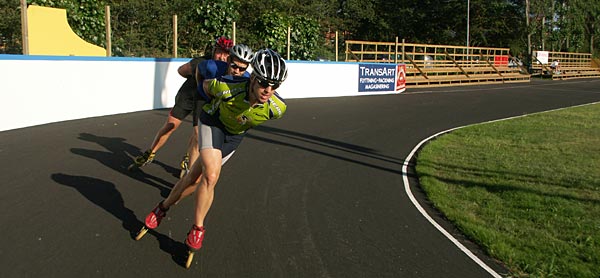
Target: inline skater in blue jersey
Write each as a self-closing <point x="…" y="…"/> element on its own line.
<point x="237" y="104"/>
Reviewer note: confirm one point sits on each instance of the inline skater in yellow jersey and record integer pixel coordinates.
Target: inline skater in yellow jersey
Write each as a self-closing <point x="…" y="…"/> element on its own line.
<point x="237" y="105"/>
<point x="238" y="61"/>
<point x="186" y="101"/>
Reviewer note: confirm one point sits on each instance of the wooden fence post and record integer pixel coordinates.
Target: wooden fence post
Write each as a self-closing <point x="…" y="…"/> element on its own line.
<point x="108" y="31"/>
<point x="336" y="46"/>
<point x="175" y="36"/>
<point x="288" y="41"/>
<point x="403" y="58"/>
<point x="24" y="26"/>
<point x="233" y="32"/>
<point x="396" y="51"/>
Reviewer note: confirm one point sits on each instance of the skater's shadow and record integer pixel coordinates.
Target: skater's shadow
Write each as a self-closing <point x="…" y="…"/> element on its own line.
<point x="106" y="196"/>
<point x="177" y="249"/>
<point x="119" y="156"/>
<point x="103" y="194"/>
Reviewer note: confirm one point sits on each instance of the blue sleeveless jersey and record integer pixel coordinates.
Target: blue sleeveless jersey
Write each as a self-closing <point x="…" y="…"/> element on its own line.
<point x="212" y="69"/>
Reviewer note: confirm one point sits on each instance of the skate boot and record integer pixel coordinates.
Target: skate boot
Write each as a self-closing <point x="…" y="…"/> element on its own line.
<point x="194" y="242"/>
<point x="152" y="220"/>
<point x="142" y="160"/>
<point x="185" y="165"/>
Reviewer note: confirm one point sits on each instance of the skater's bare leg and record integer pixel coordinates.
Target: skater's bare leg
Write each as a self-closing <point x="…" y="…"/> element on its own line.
<point x="211" y="161"/>
<point x="184" y="186"/>
<point x="164" y="133"/>
<point x="193" y="146"/>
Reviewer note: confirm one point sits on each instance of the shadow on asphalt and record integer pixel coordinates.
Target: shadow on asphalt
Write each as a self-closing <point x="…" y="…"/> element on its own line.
<point x="118" y="158"/>
<point x="105" y="195"/>
<point x="330" y="146"/>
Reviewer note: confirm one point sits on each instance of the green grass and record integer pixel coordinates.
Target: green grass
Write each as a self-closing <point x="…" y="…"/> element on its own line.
<point x="527" y="189"/>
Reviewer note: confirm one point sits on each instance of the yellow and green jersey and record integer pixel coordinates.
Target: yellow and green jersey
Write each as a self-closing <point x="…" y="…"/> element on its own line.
<point x="231" y="106"/>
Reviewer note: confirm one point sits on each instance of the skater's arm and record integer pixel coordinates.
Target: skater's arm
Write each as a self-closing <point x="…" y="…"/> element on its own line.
<point x="185" y="70"/>
<point x="205" y="84"/>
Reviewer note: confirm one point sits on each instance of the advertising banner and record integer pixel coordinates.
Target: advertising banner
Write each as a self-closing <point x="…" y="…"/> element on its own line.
<point x="542" y="56"/>
<point x="501" y="60"/>
<point x="381" y="77"/>
<point x="401" y="78"/>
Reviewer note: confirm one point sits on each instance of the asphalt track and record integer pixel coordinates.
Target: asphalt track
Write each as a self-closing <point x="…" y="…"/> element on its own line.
<point x="318" y="193"/>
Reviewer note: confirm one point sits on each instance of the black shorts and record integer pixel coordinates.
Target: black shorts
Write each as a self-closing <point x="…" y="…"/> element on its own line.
<point x="187" y="101"/>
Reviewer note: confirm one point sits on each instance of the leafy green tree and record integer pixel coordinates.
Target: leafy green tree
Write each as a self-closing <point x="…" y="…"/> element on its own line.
<point x="536" y="14"/>
<point x="494" y="23"/>
<point x="588" y="14"/>
<point x="144" y="27"/>
<point x="362" y="19"/>
<point x="567" y="31"/>
<point x="10" y="27"/>
<point x="201" y="22"/>
<point x="305" y="37"/>
<point x="271" y="30"/>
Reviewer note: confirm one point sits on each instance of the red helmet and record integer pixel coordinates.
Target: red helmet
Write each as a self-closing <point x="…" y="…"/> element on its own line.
<point x="224" y="43"/>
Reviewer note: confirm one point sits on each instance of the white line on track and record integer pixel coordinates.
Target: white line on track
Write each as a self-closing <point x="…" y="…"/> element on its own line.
<point x="491" y="88"/>
<point x="428" y="217"/>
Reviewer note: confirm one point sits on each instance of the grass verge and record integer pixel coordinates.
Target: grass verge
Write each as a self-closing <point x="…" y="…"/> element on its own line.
<point x="527" y="189"/>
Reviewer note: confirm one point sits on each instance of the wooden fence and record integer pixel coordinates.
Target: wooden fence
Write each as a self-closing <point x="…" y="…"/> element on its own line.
<point x="442" y="65"/>
<point x="570" y="65"/>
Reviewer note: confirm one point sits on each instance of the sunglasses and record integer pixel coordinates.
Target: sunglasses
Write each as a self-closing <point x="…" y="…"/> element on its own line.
<point x="265" y="84"/>
<point x="235" y="66"/>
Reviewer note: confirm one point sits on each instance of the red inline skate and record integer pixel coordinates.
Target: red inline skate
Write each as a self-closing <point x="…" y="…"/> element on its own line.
<point x="194" y="242"/>
<point x="152" y="220"/>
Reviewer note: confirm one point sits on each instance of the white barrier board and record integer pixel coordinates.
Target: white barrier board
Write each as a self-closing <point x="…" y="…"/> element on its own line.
<point x="37" y="90"/>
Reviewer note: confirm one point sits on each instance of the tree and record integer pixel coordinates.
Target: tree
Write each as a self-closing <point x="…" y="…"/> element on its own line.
<point x="588" y="13"/>
<point x="141" y="28"/>
<point x="361" y="18"/>
<point x="144" y="27"/>
<point x="536" y="13"/>
<point x="494" y="23"/>
<point x="203" y="21"/>
<point x="10" y="27"/>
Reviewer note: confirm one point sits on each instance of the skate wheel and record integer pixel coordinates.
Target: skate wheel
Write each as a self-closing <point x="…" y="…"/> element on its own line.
<point x="182" y="173"/>
<point x="190" y="258"/>
<point x="141" y="233"/>
<point x="132" y="167"/>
